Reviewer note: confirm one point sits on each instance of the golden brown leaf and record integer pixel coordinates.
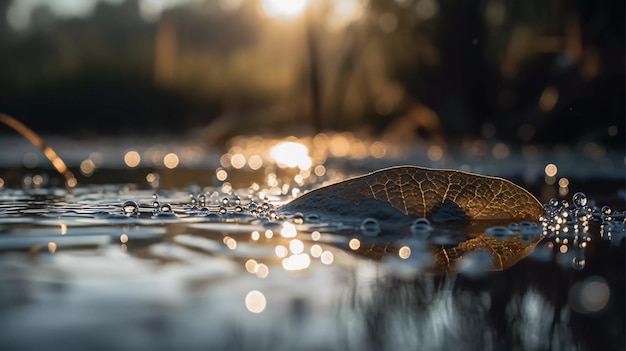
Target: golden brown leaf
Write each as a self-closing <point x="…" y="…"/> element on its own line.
<point x="408" y="191"/>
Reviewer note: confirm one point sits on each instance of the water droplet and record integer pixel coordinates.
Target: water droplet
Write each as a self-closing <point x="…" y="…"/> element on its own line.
<point x="265" y="206"/>
<point x="554" y="202"/>
<point x="156" y="206"/>
<point x="607" y="214"/>
<point x="370" y="227"/>
<point x="421" y="227"/>
<point x="223" y="210"/>
<point x="578" y="263"/>
<point x="155" y="196"/>
<point x="298" y="218"/>
<point x="272" y="214"/>
<point x="499" y="232"/>
<point x="252" y="206"/>
<point x="130" y="208"/>
<point x="552" y="207"/>
<point x="529" y="230"/>
<point x="238" y="209"/>
<point x="225" y="201"/>
<point x="313" y="218"/>
<point x="565" y="205"/>
<point x="526" y="224"/>
<point x="514" y="227"/>
<point x="166" y="208"/>
<point x="237" y="201"/>
<point x="202" y="200"/>
<point x="580" y="200"/>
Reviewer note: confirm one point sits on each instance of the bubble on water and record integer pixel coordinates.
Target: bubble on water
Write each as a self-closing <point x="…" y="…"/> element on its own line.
<point x="252" y="206"/>
<point x="156" y="206"/>
<point x="580" y="200"/>
<point x="578" y="263"/>
<point x="421" y="227"/>
<point x="223" y="210"/>
<point x="225" y="201"/>
<point x="155" y="196"/>
<point x="202" y="200"/>
<point x="313" y="218"/>
<point x="237" y="201"/>
<point x="607" y="214"/>
<point x="552" y="207"/>
<point x="298" y="218"/>
<point x="238" y="209"/>
<point x="265" y="206"/>
<point x="499" y="232"/>
<point x="529" y="230"/>
<point x="166" y="208"/>
<point x="565" y="205"/>
<point x="554" y="202"/>
<point x="514" y="226"/>
<point x="130" y="208"/>
<point x="370" y="227"/>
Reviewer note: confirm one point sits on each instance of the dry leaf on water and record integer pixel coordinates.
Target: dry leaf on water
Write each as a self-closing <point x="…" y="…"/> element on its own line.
<point x="403" y="193"/>
<point x="408" y="192"/>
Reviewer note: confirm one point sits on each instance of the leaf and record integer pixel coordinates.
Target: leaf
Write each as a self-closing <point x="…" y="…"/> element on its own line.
<point x="406" y="192"/>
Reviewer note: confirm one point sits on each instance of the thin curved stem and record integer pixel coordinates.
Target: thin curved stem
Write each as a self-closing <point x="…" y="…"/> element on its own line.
<point x="29" y="134"/>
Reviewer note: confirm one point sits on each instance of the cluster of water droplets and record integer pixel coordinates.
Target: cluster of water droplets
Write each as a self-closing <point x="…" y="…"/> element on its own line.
<point x="563" y="218"/>
<point x="214" y="206"/>
<point x="567" y="225"/>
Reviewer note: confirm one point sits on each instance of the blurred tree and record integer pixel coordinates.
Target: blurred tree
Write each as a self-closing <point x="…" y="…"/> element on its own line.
<point x="442" y="69"/>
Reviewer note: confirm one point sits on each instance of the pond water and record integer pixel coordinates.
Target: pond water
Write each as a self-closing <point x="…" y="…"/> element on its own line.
<point x="143" y="266"/>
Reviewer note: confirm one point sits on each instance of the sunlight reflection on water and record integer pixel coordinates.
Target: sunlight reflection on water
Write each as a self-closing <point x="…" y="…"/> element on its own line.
<point x="197" y="268"/>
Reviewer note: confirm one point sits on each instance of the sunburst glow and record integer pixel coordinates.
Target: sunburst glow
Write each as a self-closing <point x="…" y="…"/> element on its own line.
<point x="291" y="154"/>
<point x="284" y="8"/>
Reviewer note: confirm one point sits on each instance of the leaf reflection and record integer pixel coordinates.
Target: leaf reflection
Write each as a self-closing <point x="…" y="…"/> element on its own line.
<point x="449" y="245"/>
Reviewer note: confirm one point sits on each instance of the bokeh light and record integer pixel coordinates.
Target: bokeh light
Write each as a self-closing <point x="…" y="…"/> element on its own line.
<point x="354" y="244"/>
<point x="132" y="158"/>
<point x="171" y="160"/>
<point x="404" y="252"/>
<point x="551" y="170"/>
<point x="288" y="230"/>
<point x="296" y="262"/>
<point x="255" y="301"/>
<point x="327" y="257"/>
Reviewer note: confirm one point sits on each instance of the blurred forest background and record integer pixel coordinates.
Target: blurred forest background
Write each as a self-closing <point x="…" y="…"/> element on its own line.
<point x="532" y="71"/>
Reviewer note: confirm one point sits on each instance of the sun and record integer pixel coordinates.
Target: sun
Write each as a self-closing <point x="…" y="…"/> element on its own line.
<point x="284" y="8"/>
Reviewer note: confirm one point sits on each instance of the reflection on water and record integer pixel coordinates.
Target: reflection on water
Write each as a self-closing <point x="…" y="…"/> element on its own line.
<point x="226" y="271"/>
